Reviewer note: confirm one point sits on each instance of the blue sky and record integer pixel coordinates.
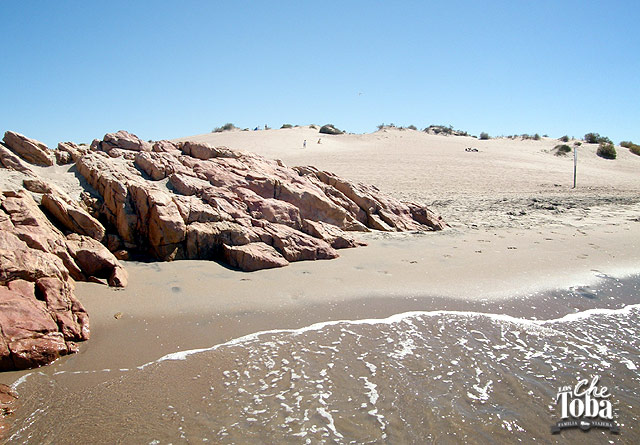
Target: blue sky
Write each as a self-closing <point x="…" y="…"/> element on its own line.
<point x="77" y="70"/>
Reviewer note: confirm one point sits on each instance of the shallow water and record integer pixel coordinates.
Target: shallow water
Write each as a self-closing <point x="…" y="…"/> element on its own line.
<point x="417" y="377"/>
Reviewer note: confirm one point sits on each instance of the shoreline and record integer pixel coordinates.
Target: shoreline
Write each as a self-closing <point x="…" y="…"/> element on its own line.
<point x="183" y="305"/>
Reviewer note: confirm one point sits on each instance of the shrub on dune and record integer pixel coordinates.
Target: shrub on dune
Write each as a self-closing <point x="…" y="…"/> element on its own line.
<point x="225" y="127"/>
<point x="606" y="150"/>
<point x="633" y="148"/>
<point x="595" y="138"/>
<point x="562" y="150"/>
<point x="330" y="129"/>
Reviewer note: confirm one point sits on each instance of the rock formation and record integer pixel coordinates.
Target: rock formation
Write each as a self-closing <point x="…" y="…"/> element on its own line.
<point x="40" y="318"/>
<point x="194" y="201"/>
<point x="32" y="151"/>
<point x="171" y="201"/>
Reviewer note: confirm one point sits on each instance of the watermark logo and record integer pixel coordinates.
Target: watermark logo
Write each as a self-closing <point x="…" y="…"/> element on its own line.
<point x="585" y="405"/>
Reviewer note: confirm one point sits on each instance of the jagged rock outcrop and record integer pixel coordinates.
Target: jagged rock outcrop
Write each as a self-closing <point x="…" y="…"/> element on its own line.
<point x="32" y="151"/>
<point x="69" y="152"/>
<point x="40" y="318"/>
<point x="193" y="201"/>
<point x="11" y="161"/>
<point x="65" y="210"/>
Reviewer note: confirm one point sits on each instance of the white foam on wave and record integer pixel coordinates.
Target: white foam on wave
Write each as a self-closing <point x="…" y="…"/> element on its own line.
<point x="404" y="317"/>
<point x="20" y="381"/>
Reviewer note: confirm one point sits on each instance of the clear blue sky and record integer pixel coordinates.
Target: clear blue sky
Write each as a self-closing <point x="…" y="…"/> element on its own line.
<point x="165" y="69"/>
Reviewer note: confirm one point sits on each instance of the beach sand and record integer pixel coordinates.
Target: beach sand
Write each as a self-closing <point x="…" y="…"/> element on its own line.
<point x="517" y="230"/>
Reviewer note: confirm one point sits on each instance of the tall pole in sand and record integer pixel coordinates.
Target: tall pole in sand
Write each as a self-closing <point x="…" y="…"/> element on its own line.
<point x="575" y="164"/>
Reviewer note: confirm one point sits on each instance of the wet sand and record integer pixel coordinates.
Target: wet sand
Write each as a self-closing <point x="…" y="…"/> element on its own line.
<point x="169" y="307"/>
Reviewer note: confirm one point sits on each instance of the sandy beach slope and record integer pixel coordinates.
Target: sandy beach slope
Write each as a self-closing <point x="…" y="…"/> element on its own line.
<point x="517" y="228"/>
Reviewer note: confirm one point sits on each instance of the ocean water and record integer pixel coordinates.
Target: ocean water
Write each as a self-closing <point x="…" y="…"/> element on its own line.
<point x="415" y="377"/>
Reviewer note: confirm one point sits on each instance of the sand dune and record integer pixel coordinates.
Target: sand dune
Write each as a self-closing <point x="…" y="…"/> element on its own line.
<point x="468" y="188"/>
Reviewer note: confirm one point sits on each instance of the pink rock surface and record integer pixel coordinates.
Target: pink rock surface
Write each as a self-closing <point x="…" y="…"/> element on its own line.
<point x="217" y="199"/>
<point x="32" y="151"/>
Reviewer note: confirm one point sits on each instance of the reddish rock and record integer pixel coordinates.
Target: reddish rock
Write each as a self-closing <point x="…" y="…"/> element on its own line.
<point x="119" y="276"/>
<point x="205" y="240"/>
<point x="125" y="141"/>
<point x="253" y="256"/>
<point x="95" y="259"/>
<point x="40" y="318"/>
<point x="8" y="402"/>
<point x="72" y="216"/>
<point x="37" y="185"/>
<point x="63" y="158"/>
<point x="10" y="161"/>
<point x="202" y="150"/>
<point x="19" y="261"/>
<point x="166" y="147"/>
<point x="30" y="336"/>
<point x="296" y="246"/>
<point x="217" y="199"/>
<point x="23" y="287"/>
<point x="33" y="227"/>
<point x="32" y="151"/>
<point x="121" y="255"/>
<point x="73" y="151"/>
<point x="337" y="238"/>
<point x="161" y="222"/>
<point x="66" y="310"/>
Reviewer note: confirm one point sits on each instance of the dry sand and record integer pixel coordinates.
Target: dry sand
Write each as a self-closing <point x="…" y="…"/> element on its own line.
<point x="517" y="228"/>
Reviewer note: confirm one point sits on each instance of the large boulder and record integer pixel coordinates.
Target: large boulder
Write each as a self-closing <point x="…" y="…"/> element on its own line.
<point x="29" y="334"/>
<point x="32" y="151"/>
<point x="124" y="141"/>
<point x="253" y="256"/>
<point x="72" y="216"/>
<point x="40" y="318"/>
<point x="11" y="161"/>
<point x="69" y="152"/>
<point x="96" y="260"/>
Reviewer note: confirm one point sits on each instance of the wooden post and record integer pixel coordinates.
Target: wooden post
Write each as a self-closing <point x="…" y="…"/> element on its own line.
<point x="575" y="164"/>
